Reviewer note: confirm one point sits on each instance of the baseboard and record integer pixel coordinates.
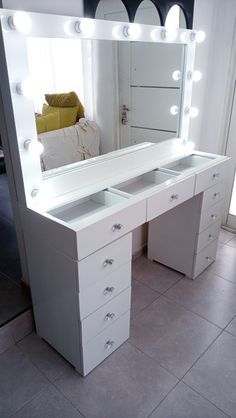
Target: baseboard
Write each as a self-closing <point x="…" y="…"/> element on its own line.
<point x="16" y="330"/>
<point x="139" y="252"/>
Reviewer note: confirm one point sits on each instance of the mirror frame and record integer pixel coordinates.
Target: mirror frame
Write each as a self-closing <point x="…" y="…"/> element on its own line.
<point x="19" y="109"/>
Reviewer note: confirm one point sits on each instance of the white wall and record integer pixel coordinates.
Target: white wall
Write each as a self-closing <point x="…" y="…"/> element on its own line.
<point x="63" y="7"/>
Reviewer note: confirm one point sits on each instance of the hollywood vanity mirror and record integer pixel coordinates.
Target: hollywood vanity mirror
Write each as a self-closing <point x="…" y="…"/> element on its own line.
<point x="78" y="220"/>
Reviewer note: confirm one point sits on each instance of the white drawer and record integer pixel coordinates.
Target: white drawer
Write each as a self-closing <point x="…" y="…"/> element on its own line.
<point x="105" y="343"/>
<point x="102" y="292"/>
<point x="110" y="228"/>
<point x="213" y="195"/>
<point x="205" y="258"/>
<point x="170" y="197"/>
<point x="209" y="177"/>
<point x="105" y="316"/>
<point x="103" y="262"/>
<point x="207" y="236"/>
<point x="210" y="215"/>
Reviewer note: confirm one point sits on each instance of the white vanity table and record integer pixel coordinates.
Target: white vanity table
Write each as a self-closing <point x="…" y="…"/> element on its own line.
<point x="78" y="224"/>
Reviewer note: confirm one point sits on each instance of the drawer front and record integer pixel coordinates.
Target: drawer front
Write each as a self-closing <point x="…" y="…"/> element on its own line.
<point x="103" y="262"/>
<point x="205" y="258"/>
<point x="209" y="177"/>
<point x="109" y="229"/>
<point x="208" y="236"/>
<point x="105" y="316"/>
<point x="210" y="215"/>
<point x="170" y="197"/>
<point x="213" y="195"/>
<point x="105" y="343"/>
<point x="100" y="293"/>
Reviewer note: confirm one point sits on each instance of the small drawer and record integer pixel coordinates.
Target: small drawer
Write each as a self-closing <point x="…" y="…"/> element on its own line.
<point x="210" y="215"/>
<point x="103" y="262"/>
<point x="105" y="343"/>
<point x="205" y="258"/>
<point x="213" y="195"/>
<point x="105" y="316"/>
<point x="209" y="177"/>
<point x="101" y="233"/>
<point x="208" y="236"/>
<point x="104" y="291"/>
<point x="170" y="197"/>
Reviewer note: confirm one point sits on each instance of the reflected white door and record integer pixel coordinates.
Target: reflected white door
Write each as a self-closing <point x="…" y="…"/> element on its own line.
<point x="231" y="151"/>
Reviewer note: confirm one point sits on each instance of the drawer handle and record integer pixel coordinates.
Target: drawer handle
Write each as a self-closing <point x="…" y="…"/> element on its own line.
<point x="215" y="176"/>
<point x="108" y="262"/>
<point x="174" y="197"/>
<point x="209" y="258"/>
<point x="213" y="216"/>
<point x="215" y="195"/>
<point x="109" y="344"/>
<point x="211" y="237"/>
<point x="109" y="316"/>
<point x="109" y="290"/>
<point x="117" y="227"/>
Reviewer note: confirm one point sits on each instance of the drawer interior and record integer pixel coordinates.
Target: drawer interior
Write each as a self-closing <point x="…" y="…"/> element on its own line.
<point x="86" y="206"/>
<point x="188" y="162"/>
<point x="145" y="181"/>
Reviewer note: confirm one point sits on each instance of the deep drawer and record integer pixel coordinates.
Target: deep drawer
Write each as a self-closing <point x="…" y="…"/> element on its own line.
<point x="208" y="236"/>
<point x="103" y="262"/>
<point x="170" y="197"/>
<point x="105" y="290"/>
<point x="105" y="343"/>
<point x="205" y="258"/>
<point x="105" y="316"/>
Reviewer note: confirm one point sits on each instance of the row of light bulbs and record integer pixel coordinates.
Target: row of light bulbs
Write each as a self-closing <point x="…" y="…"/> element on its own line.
<point x="21" y="21"/>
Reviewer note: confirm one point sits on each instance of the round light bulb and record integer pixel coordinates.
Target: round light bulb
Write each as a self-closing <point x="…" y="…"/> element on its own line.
<point x="116" y="32"/>
<point x="155" y="34"/>
<point x="169" y="34"/>
<point x="20" y="21"/>
<point x="133" y="31"/>
<point x="193" y="112"/>
<point x="176" y="75"/>
<point x="196" y="75"/>
<point x="24" y="88"/>
<point x="184" y="36"/>
<point x="174" y="110"/>
<point x="85" y="27"/>
<point x="33" y="147"/>
<point x="200" y="36"/>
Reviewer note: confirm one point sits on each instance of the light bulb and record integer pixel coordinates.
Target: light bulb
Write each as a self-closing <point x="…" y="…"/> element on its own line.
<point x="116" y="32"/>
<point x="155" y="34"/>
<point x="192" y="111"/>
<point x="133" y="31"/>
<point x="24" y="88"/>
<point x="184" y="36"/>
<point x="34" y="193"/>
<point x="85" y="27"/>
<point x="169" y="34"/>
<point x="33" y="146"/>
<point x="195" y="75"/>
<point x="20" y="21"/>
<point x="176" y="75"/>
<point x="174" y="110"/>
<point x="200" y="36"/>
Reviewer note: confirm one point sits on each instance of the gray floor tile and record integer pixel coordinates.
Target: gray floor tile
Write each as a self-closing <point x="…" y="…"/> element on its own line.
<point x="209" y="296"/>
<point x="214" y="375"/>
<point x="232" y="327"/>
<point x="142" y="296"/>
<point x="171" y="335"/>
<point x="6" y="339"/>
<point x="225" y="264"/>
<point x="183" y="402"/>
<point x="44" y="357"/>
<point x="225" y="236"/>
<point x="22" y="325"/>
<point x="128" y="384"/>
<point x="232" y="242"/>
<point x="50" y="403"/>
<point x="20" y="381"/>
<point x="154" y="275"/>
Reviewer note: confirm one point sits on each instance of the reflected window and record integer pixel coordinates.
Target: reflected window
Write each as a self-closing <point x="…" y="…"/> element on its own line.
<point x="112" y="10"/>
<point x="175" y="18"/>
<point x="147" y="14"/>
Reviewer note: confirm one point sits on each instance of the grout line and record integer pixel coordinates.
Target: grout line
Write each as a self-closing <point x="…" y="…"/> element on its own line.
<point x="59" y="390"/>
<point x="171" y="390"/>
<point x="30" y="400"/>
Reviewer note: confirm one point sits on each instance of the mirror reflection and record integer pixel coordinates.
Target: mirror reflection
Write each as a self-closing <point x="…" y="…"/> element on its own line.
<point x="94" y="97"/>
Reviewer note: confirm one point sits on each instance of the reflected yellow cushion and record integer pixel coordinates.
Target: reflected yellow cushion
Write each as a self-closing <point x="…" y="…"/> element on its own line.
<point x="67" y="115"/>
<point x="65" y="100"/>
<point x="47" y="123"/>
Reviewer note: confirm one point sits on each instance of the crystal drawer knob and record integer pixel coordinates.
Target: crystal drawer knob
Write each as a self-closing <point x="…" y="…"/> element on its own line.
<point x="208" y="258"/>
<point x="109" y="316"/>
<point x="117" y="227"/>
<point x="213" y="216"/>
<point x="215" y="195"/>
<point x="216" y="176"/>
<point x="108" y="262"/>
<point x="211" y="237"/>
<point x="174" y="197"/>
<point x="109" y="290"/>
<point x="109" y="344"/>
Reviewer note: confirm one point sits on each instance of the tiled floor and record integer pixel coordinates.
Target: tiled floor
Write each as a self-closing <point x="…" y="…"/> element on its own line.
<point x="14" y="296"/>
<point x="180" y="361"/>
